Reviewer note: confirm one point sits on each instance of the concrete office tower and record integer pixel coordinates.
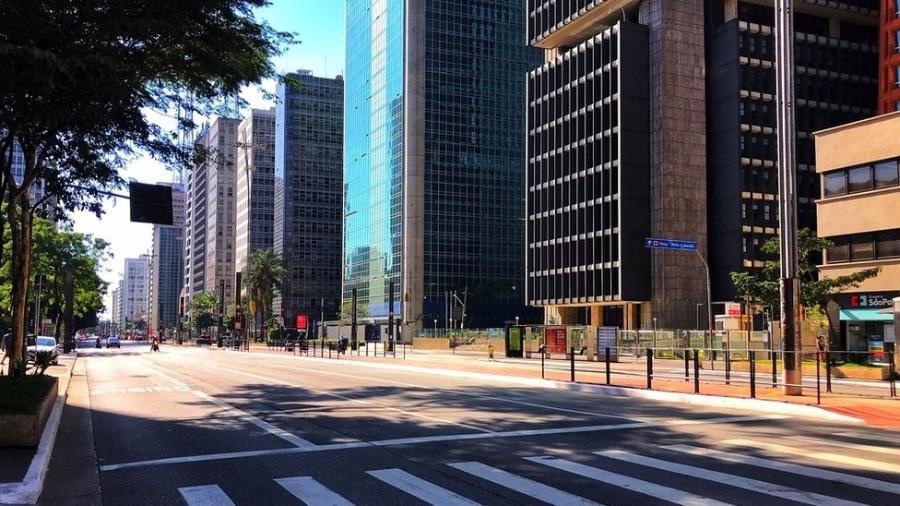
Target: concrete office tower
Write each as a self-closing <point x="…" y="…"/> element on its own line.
<point x="307" y="208"/>
<point x="210" y="225"/>
<point x="136" y="289"/>
<point x="255" y="185"/>
<point x="836" y="51"/>
<point x="220" y="225"/>
<point x="166" y="267"/>
<point x="195" y="231"/>
<point x="116" y="306"/>
<point x="616" y="153"/>
<point x="434" y="159"/>
<point x="889" y="50"/>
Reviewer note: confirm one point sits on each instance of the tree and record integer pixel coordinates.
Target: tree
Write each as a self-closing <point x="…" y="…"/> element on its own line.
<point x="814" y="292"/>
<point x="264" y="274"/>
<point x="56" y="253"/>
<point x="346" y="316"/>
<point x="77" y="83"/>
<point x="202" y="307"/>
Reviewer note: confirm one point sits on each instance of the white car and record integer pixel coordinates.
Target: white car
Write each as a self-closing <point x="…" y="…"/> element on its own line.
<point x="44" y="344"/>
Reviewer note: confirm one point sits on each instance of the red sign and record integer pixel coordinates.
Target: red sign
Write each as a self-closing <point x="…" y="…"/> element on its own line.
<point x="555" y="339"/>
<point x="732" y="309"/>
<point x="302" y="321"/>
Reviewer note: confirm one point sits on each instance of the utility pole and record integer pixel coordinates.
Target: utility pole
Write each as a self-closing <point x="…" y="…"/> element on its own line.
<point x="789" y="285"/>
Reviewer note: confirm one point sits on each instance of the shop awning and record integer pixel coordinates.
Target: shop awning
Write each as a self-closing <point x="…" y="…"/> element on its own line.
<point x="865" y="315"/>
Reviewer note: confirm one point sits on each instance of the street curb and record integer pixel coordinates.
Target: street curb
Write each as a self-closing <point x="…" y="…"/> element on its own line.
<point x="716" y="401"/>
<point x="28" y="491"/>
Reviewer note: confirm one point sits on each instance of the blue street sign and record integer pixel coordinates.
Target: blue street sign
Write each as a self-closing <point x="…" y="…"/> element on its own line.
<point x="670" y="244"/>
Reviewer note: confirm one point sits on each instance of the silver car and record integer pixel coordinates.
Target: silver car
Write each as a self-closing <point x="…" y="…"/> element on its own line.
<point x="44" y="344"/>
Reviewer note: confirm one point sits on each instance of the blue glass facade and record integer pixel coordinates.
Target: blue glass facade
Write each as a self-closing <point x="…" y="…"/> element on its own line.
<point x="373" y="151"/>
<point x="434" y="157"/>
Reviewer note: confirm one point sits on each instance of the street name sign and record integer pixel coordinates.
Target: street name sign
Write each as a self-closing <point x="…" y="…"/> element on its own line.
<point x="670" y="244"/>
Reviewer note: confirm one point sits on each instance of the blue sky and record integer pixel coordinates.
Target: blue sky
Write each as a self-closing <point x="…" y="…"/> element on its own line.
<point x="319" y="25"/>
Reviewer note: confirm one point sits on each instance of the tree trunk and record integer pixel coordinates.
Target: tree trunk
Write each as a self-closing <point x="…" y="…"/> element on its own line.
<point x="19" y="219"/>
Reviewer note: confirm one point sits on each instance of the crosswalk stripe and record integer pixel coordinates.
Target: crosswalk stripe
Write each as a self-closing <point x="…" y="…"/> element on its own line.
<point x="672" y="495"/>
<point x="856" y="446"/>
<point x="419" y="488"/>
<point x="826" y="456"/>
<point x="312" y="492"/>
<point x="812" y="472"/>
<point x="524" y="486"/>
<point x="205" y="495"/>
<point x="762" y="487"/>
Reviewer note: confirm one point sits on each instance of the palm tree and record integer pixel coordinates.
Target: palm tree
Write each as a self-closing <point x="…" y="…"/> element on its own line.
<point x="263" y="277"/>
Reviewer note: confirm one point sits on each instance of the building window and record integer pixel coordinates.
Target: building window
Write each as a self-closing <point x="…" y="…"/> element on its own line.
<point x="838" y="253"/>
<point x="886" y="174"/>
<point x="887" y="245"/>
<point x="859" y="179"/>
<point x="862" y="249"/>
<point x="835" y="183"/>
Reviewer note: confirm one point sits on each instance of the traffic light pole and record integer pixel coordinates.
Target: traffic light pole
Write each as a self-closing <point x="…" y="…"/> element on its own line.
<point x="787" y="195"/>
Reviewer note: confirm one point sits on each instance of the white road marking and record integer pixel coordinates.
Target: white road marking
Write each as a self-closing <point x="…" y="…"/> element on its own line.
<point x="420" y="489"/>
<point x="809" y="453"/>
<point x="812" y="472"/>
<point x="431" y="439"/>
<point x="206" y="495"/>
<point x="238" y="414"/>
<point x="855" y="446"/>
<point x="521" y="485"/>
<point x="361" y="401"/>
<point x="672" y="495"/>
<point x="762" y="487"/>
<point x="468" y="394"/>
<point x="311" y="492"/>
<point x="262" y="424"/>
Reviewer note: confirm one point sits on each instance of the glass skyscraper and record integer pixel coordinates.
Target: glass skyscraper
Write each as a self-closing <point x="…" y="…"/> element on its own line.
<point x="434" y="159"/>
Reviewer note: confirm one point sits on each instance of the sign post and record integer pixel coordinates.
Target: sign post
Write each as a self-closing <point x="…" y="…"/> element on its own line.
<point x="674" y="244"/>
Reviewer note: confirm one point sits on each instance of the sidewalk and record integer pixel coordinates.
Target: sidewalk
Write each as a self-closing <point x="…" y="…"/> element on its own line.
<point x="882" y="412"/>
<point x="22" y="470"/>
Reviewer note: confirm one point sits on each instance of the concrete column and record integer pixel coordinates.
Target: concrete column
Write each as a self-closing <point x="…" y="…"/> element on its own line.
<point x="412" y="280"/>
<point x="677" y="155"/>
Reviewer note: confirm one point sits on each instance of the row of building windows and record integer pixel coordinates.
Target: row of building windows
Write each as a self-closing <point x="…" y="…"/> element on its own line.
<point x="876" y="176"/>
<point x="545" y="16"/>
<point x="575" y="286"/>
<point x="864" y="247"/>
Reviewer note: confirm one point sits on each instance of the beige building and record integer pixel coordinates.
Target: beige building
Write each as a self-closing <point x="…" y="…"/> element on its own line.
<point x="254" y="186"/>
<point x="860" y="213"/>
<point x="220" y="209"/>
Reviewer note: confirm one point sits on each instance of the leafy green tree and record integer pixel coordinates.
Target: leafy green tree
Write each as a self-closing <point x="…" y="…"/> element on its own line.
<point x="202" y="307"/>
<point x="263" y="277"/>
<point x="814" y="292"/>
<point x="56" y="253"/>
<point x="79" y="83"/>
<point x="346" y="315"/>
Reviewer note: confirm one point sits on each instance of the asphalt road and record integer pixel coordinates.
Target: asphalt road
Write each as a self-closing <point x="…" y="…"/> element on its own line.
<point x="198" y="426"/>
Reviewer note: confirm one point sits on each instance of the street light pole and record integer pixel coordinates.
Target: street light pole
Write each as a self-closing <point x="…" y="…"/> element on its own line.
<point x="789" y="286"/>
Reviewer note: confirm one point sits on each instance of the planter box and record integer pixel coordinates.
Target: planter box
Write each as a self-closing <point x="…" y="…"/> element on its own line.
<point x="26" y="430"/>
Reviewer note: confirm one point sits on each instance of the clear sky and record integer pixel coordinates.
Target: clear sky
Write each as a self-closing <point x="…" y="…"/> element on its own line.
<point x="319" y="25"/>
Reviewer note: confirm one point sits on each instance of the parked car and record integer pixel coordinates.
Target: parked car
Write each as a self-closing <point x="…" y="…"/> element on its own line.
<point x="44" y="344"/>
<point x="113" y="342"/>
<point x="204" y="339"/>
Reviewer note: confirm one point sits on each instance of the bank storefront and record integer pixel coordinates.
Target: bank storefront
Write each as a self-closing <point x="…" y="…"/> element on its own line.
<point x="866" y="320"/>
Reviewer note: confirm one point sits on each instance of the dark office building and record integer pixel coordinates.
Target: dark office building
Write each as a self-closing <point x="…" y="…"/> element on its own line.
<point x="308" y="145"/>
<point x="836" y="52"/>
<point x="616" y="154"/>
<point x="434" y="159"/>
